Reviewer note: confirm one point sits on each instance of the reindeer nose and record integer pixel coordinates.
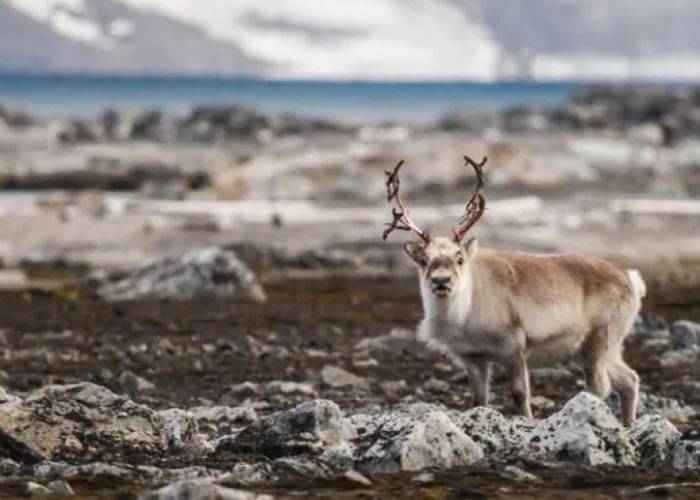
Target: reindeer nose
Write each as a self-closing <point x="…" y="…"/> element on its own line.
<point x="440" y="281"/>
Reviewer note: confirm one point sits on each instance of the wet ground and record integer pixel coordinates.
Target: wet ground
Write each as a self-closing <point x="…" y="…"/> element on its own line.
<point x="198" y="352"/>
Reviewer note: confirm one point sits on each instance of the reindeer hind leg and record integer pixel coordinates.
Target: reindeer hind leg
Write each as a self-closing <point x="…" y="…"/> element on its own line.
<point x="594" y="355"/>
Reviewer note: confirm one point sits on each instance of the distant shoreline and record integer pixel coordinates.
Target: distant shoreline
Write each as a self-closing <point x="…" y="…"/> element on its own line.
<point x="82" y="95"/>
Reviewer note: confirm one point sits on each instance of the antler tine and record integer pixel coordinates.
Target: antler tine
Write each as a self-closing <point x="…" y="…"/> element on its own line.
<point x="401" y="216"/>
<point x="477" y="203"/>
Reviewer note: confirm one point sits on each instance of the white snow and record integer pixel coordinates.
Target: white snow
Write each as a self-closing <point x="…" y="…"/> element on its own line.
<point x="360" y="39"/>
<point x="64" y="17"/>
<point x="76" y="27"/>
<point x="121" y="28"/>
<point x="373" y="38"/>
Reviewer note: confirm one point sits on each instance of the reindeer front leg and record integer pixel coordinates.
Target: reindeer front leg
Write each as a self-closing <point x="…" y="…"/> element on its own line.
<point x="519" y="378"/>
<point x="479" y="373"/>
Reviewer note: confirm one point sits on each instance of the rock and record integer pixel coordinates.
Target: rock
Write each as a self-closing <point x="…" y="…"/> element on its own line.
<point x="245" y="389"/>
<point x="210" y="271"/>
<point x="399" y="342"/>
<point x="178" y="430"/>
<point x="223" y="420"/>
<point x="423" y="478"/>
<point x="500" y="438"/>
<point x="394" y="388"/>
<point x="436" y="386"/>
<point x="201" y="490"/>
<point x="649" y="404"/>
<point x="649" y="325"/>
<point x="685" y="335"/>
<point x="551" y="375"/>
<point x="281" y="470"/>
<point x="210" y="123"/>
<point x="309" y="428"/>
<point x="105" y="473"/>
<point x="686" y="454"/>
<point x="356" y="477"/>
<point x="413" y="444"/>
<point x="468" y="120"/>
<point x="61" y="488"/>
<point x="654" y="438"/>
<point x="36" y="490"/>
<point x="584" y="431"/>
<point x="687" y="356"/>
<point x="153" y="125"/>
<point x="260" y="349"/>
<point x="132" y="384"/>
<point x="287" y="388"/>
<point x="517" y="474"/>
<point x="336" y="377"/>
<point x="411" y="439"/>
<point x="79" y="423"/>
<point x="9" y="467"/>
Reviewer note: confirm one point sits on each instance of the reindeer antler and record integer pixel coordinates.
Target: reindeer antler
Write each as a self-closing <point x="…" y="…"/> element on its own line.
<point x="476" y="205"/>
<point x="401" y="216"/>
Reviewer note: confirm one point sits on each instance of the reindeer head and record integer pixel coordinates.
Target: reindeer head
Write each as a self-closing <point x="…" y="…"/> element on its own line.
<point x="442" y="261"/>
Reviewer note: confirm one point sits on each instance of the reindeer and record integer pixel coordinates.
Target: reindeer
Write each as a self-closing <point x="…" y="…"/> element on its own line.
<point x="483" y="306"/>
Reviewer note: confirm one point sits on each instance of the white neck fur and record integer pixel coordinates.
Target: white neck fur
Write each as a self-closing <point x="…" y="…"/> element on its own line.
<point x="453" y="309"/>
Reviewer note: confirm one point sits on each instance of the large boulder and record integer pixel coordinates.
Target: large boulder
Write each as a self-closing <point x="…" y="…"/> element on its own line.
<point x="211" y="271"/>
<point x="686" y="453"/>
<point x="86" y="422"/>
<point x="311" y="428"/>
<point x="201" y="490"/>
<point x="655" y="438"/>
<point x="584" y="431"/>
<point x="499" y="437"/>
<point x="410" y="439"/>
<point x="685" y="334"/>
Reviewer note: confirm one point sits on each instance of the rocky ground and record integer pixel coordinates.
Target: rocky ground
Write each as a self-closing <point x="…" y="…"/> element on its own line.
<point x="320" y="391"/>
<point x="201" y="306"/>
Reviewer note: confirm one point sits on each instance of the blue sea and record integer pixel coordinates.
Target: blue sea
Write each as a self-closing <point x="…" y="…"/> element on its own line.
<point x="72" y="95"/>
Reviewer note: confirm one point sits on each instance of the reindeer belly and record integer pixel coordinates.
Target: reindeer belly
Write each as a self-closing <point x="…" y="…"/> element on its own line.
<point x="553" y="334"/>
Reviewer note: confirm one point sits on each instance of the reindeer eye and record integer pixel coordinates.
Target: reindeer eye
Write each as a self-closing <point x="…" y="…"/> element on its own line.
<point x="460" y="260"/>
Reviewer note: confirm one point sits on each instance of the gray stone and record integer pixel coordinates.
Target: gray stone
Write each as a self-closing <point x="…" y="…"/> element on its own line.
<point x="399" y="342"/>
<point x="36" y="490"/>
<point x="201" y="490"/>
<point x="336" y="377"/>
<point x="210" y="271"/>
<point x="499" y="437"/>
<point x="132" y="384"/>
<point x="287" y="387"/>
<point x="79" y="422"/>
<point x="686" y="453"/>
<point x="655" y="438"/>
<point x="355" y="477"/>
<point x="411" y="439"/>
<point x="286" y="469"/>
<point x="9" y="467"/>
<point x="436" y="386"/>
<point x="61" y="488"/>
<point x="685" y="334"/>
<point x="687" y="356"/>
<point x="584" y="431"/>
<point x="309" y="428"/>
<point x="178" y="430"/>
<point x="223" y="420"/>
<point x="555" y="374"/>
<point x="517" y="474"/>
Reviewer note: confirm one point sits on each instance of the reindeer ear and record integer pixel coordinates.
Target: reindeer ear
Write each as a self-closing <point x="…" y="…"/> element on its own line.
<point x="415" y="251"/>
<point x="471" y="247"/>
